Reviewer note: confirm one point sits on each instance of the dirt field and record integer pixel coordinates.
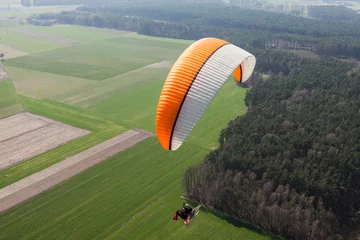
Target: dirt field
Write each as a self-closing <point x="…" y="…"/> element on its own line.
<point x="25" y="135"/>
<point x="10" y="52"/>
<point x="54" y="38"/>
<point x="30" y="186"/>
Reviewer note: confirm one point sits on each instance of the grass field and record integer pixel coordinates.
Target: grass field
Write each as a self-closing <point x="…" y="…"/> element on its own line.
<point x="25" y="43"/>
<point x="154" y="223"/>
<point x="78" y="33"/>
<point x="140" y="184"/>
<point x="89" y="95"/>
<point x="9" y="102"/>
<point x="96" y="203"/>
<point x="141" y="112"/>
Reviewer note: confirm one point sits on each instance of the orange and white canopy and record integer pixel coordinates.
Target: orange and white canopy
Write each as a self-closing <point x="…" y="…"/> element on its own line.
<point x="193" y="82"/>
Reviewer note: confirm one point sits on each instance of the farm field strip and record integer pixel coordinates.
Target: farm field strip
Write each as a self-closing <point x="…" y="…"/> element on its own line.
<point x="26" y="135"/>
<point x="43" y="85"/>
<point x="77" y="33"/>
<point x="32" y="185"/>
<point x="101" y="129"/>
<point x="51" y="37"/>
<point x="10" y="52"/>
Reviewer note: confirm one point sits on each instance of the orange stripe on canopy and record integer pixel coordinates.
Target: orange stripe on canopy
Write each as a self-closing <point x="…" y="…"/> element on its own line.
<point x="177" y="84"/>
<point x="237" y="74"/>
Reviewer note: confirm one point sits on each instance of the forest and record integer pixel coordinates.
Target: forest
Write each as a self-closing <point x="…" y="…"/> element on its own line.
<point x="339" y="13"/>
<point x="253" y="28"/>
<point x="294" y="158"/>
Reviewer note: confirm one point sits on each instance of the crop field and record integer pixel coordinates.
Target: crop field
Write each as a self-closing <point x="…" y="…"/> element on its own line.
<point x="78" y="33"/>
<point x="108" y="86"/>
<point x="25" y="135"/>
<point x="101" y="130"/>
<point x="30" y="186"/>
<point x="98" y="60"/>
<point x="24" y="42"/>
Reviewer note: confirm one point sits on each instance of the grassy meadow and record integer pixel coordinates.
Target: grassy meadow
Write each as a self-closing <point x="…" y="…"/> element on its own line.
<point x="108" y="86"/>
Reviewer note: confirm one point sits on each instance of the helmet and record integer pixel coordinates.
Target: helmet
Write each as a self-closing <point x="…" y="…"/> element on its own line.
<point x="186" y="205"/>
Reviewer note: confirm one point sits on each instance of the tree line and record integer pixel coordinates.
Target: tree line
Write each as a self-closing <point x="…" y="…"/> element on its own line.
<point x="258" y="29"/>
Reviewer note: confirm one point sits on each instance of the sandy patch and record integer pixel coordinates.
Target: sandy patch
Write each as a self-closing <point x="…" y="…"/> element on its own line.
<point x="54" y="38"/>
<point x="32" y="185"/>
<point x="10" y="52"/>
<point x="25" y="135"/>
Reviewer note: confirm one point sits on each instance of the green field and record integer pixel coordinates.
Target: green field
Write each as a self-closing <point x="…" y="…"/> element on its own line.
<point x="96" y="203"/>
<point x="100" y="60"/>
<point x="9" y="102"/>
<point x="78" y="33"/>
<point x="24" y="42"/>
<point x="133" y="194"/>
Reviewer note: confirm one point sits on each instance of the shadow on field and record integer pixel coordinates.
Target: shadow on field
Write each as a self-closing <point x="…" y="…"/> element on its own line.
<point x="235" y="222"/>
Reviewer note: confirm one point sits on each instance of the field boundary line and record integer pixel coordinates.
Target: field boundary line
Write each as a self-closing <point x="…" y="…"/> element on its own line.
<point x="22" y="134"/>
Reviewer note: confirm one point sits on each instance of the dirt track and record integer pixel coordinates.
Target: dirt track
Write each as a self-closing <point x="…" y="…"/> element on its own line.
<point x="3" y="74"/>
<point x="54" y="38"/>
<point x="30" y="186"/>
<point x="25" y="135"/>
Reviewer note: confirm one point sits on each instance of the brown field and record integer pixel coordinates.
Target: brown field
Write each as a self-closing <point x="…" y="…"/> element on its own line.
<point x="54" y="38"/>
<point x="10" y="52"/>
<point x="30" y="186"/>
<point x="25" y="135"/>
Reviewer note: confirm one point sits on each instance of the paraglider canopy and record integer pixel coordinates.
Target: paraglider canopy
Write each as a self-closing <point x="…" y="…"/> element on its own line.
<point x="193" y="82"/>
